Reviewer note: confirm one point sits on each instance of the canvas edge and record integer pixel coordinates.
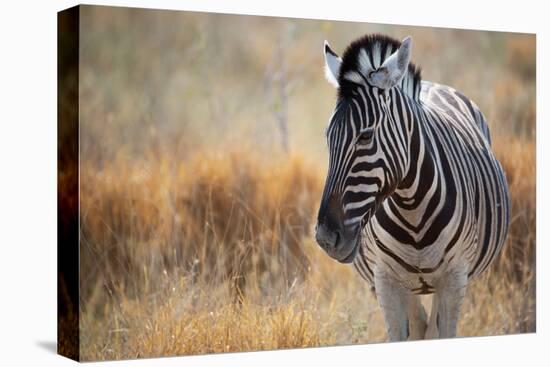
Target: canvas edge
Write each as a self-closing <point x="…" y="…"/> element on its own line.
<point x="68" y="46"/>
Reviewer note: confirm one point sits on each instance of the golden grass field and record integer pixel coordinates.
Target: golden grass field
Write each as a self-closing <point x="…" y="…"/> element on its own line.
<point x="196" y="225"/>
<point x="223" y="260"/>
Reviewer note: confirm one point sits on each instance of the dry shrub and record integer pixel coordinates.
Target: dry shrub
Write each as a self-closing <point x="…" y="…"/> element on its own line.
<point x="517" y="157"/>
<point x="218" y="217"/>
<point x="497" y="305"/>
<point x="215" y="254"/>
<point x="178" y="326"/>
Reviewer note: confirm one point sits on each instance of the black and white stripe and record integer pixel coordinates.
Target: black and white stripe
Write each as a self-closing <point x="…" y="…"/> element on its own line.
<point x="413" y="166"/>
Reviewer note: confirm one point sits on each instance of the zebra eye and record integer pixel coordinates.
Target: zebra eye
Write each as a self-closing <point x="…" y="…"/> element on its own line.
<point x="365" y="137"/>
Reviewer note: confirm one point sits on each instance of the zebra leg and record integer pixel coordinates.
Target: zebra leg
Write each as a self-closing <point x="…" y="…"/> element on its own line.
<point x="446" y="306"/>
<point x="393" y="300"/>
<point x="450" y="297"/>
<point x="432" y="331"/>
<point x="417" y="318"/>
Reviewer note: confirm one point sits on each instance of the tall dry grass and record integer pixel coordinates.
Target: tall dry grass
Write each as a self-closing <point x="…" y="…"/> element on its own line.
<point x="226" y="217"/>
<point x="215" y="254"/>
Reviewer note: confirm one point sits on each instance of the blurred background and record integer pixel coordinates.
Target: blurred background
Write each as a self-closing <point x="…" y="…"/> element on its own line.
<point x="203" y="156"/>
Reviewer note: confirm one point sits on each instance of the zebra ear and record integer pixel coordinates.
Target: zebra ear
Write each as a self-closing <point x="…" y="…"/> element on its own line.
<point x="390" y="73"/>
<point x="332" y="65"/>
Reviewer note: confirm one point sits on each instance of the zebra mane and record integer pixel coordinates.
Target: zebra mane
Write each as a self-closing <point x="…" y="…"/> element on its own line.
<point x="368" y="53"/>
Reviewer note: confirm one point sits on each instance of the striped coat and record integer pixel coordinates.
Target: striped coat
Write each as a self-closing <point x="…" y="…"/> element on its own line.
<point x="453" y="206"/>
<point x="414" y="195"/>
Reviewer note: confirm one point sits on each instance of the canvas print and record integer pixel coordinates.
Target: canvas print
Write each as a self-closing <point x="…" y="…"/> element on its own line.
<point x="233" y="183"/>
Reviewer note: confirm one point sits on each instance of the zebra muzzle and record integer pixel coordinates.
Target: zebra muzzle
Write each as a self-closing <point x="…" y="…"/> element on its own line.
<point x="339" y="244"/>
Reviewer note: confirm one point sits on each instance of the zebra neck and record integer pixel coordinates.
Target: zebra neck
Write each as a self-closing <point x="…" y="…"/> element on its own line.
<point x="422" y="178"/>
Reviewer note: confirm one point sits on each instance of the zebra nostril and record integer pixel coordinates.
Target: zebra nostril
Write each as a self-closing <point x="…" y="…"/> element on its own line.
<point x="323" y="236"/>
<point x="326" y="238"/>
<point x="337" y="239"/>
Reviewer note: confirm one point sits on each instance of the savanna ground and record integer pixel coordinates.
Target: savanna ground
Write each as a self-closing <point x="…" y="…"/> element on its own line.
<point x="202" y="163"/>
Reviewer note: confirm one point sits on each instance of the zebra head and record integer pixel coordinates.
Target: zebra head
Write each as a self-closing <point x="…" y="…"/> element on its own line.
<point x="367" y="153"/>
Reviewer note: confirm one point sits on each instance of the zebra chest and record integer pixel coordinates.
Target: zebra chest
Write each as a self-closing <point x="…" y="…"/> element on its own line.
<point x="411" y="256"/>
<point x="414" y="249"/>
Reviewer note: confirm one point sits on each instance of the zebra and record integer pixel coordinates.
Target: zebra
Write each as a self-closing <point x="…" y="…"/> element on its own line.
<point x="414" y="197"/>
